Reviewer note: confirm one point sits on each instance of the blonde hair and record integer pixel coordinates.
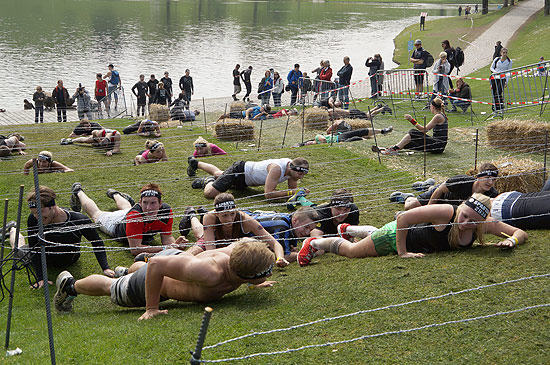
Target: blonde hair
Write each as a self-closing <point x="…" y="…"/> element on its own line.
<point x="151" y="142"/>
<point x="46" y="153"/>
<point x="480" y="228"/>
<point x="202" y="140"/>
<point x="250" y="257"/>
<point x="443" y="55"/>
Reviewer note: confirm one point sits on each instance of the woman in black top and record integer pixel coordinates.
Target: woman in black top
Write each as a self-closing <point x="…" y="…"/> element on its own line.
<point x="414" y="139"/>
<point x="161" y="95"/>
<point x="427" y="229"/>
<point x="63" y="231"/>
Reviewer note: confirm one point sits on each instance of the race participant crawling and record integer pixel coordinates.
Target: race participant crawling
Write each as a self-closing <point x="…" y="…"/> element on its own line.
<point x="225" y="224"/>
<point x="46" y="164"/>
<point x="145" y="128"/>
<point x="108" y="139"/>
<point x="178" y="275"/>
<point x="428" y="229"/>
<point x="204" y="148"/>
<point x="84" y="128"/>
<point x="249" y="173"/>
<point x="458" y="188"/>
<point x="284" y="113"/>
<point x="12" y="143"/>
<point x="135" y="224"/>
<point x="327" y="103"/>
<point x="337" y="113"/>
<point x="63" y="231"/>
<point x="252" y="113"/>
<point x="414" y="139"/>
<point x="524" y="210"/>
<point x="154" y="152"/>
<point x="351" y="136"/>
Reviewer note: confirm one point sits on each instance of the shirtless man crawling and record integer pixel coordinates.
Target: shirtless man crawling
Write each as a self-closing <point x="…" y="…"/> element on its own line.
<point x="175" y="274"/>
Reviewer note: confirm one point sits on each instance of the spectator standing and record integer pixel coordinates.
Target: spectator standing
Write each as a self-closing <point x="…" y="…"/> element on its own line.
<point x="236" y="82"/>
<point x="38" y="98"/>
<point x="187" y="88"/>
<point x="476" y="10"/>
<point x="278" y="88"/>
<point x="152" y="84"/>
<point x="423" y="20"/>
<point x="265" y="89"/>
<point x="83" y="103"/>
<point x="114" y="83"/>
<point x="306" y="86"/>
<point x="161" y="95"/>
<point x="61" y="98"/>
<point x="293" y="79"/>
<point x="498" y="48"/>
<point x="375" y="64"/>
<point x="499" y="66"/>
<point x="418" y="59"/>
<point x="441" y="81"/>
<point x="344" y="79"/>
<point x="245" y="76"/>
<point x="326" y="76"/>
<point x="451" y="57"/>
<point x="139" y="90"/>
<point x="167" y="81"/>
<point x="100" y="92"/>
<point x="460" y="10"/>
<point x="316" y="83"/>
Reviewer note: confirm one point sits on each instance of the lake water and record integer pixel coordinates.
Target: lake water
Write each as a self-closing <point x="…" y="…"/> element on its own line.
<point x="43" y="41"/>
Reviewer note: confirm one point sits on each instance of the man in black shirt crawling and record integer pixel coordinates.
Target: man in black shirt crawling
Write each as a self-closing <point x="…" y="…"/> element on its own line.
<point x="63" y="231"/>
<point x="340" y="210"/>
<point x="459" y="188"/>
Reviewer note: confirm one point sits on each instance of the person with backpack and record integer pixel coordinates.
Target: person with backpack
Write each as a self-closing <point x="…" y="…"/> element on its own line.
<point x="114" y="83"/>
<point x="499" y="66"/>
<point x="265" y="87"/>
<point x="293" y="79"/>
<point x="420" y="59"/>
<point x="441" y="71"/>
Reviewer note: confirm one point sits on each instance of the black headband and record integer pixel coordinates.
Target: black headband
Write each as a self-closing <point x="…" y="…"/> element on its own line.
<point x="228" y="205"/>
<point x="44" y="157"/>
<point x="303" y="169"/>
<point x="197" y="145"/>
<point x="340" y="203"/>
<point x="491" y="173"/>
<point x="259" y="275"/>
<point x="32" y="203"/>
<point x="155" y="146"/>
<point x="150" y="193"/>
<point x="478" y="207"/>
<point x="436" y="105"/>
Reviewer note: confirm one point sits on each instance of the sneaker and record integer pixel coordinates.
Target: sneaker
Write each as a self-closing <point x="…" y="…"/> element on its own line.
<point x="66" y="141"/>
<point x="306" y="252"/>
<point x="9" y="225"/>
<point x="423" y="185"/>
<point x="387" y="109"/>
<point x="111" y="194"/>
<point x="143" y="257"/>
<point x="185" y="223"/>
<point x="63" y="302"/>
<point x="192" y="166"/>
<point x="387" y="130"/>
<point x="201" y="211"/>
<point x="120" y="271"/>
<point x="341" y="229"/>
<point x="292" y="202"/>
<point x="399" y="197"/>
<point x="74" y="201"/>
<point x="201" y="182"/>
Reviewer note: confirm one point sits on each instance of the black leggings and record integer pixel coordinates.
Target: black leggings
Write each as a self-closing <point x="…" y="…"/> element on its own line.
<point x="356" y="135"/>
<point x="131" y="128"/>
<point x="433" y="145"/>
<point x="531" y="211"/>
<point x="497" y="87"/>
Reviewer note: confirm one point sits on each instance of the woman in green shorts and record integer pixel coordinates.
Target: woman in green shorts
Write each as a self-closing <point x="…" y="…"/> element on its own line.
<point x="426" y="229"/>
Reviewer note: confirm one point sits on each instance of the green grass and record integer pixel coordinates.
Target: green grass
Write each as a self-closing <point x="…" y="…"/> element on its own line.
<point x="99" y="332"/>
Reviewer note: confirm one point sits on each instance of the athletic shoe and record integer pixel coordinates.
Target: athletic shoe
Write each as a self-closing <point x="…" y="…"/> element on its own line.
<point x="66" y="141"/>
<point x="201" y="211"/>
<point x="341" y="229"/>
<point x="292" y="202"/>
<point x="120" y="271"/>
<point x="192" y="166"/>
<point x="423" y="185"/>
<point x="63" y="302"/>
<point x="9" y="225"/>
<point x="387" y="130"/>
<point x="74" y="201"/>
<point x="399" y="197"/>
<point x="185" y="223"/>
<point x="111" y="194"/>
<point x="201" y="182"/>
<point x="387" y="109"/>
<point x="143" y="257"/>
<point x="306" y="252"/>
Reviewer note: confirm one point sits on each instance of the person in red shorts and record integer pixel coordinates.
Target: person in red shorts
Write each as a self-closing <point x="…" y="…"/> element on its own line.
<point x="133" y="223"/>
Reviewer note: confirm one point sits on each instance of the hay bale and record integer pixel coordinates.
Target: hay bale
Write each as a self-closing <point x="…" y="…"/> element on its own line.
<point x="518" y="135"/>
<point x="234" y="130"/>
<point x="359" y="123"/>
<point x="160" y="113"/>
<point x="523" y="175"/>
<point x="237" y="107"/>
<point x="315" y="118"/>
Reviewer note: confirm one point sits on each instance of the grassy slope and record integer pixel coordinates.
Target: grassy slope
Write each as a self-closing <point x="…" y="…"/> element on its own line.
<point x="98" y="332"/>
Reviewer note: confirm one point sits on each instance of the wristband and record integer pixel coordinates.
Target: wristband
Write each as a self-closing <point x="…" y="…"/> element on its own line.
<point x="413" y="122"/>
<point x="514" y="240"/>
<point x="289" y="193"/>
<point x="251" y="286"/>
<point x="279" y="258"/>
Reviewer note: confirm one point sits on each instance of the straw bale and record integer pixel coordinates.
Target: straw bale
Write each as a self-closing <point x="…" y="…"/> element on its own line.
<point x="523" y="175"/>
<point x="237" y="107"/>
<point x="359" y="123"/>
<point x="235" y="130"/>
<point x="315" y="118"/>
<point x="160" y="113"/>
<point x="518" y="135"/>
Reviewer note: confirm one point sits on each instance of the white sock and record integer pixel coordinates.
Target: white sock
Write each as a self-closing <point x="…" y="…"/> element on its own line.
<point x="360" y="231"/>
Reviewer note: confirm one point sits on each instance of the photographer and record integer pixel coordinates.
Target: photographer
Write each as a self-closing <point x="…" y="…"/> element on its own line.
<point x="84" y="102"/>
<point x="441" y="82"/>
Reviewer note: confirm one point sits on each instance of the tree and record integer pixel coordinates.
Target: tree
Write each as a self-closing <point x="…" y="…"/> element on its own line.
<point x="485" y="6"/>
<point x="546" y="7"/>
<point x="505" y="4"/>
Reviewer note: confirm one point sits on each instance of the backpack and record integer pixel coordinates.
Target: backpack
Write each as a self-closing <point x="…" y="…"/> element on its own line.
<point x="114" y="78"/>
<point x="429" y="61"/>
<point x="459" y="57"/>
